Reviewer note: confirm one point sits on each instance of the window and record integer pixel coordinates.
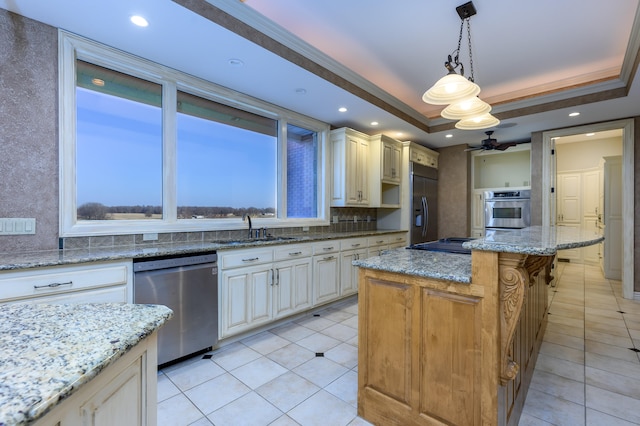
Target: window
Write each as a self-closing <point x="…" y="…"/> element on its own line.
<point x="148" y="149"/>
<point x="226" y="161"/>
<point x="118" y="145"/>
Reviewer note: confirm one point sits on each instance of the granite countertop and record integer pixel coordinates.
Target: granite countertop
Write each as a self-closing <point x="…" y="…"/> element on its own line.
<point x="42" y="258"/>
<point x="47" y="352"/>
<point x="535" y="240"/>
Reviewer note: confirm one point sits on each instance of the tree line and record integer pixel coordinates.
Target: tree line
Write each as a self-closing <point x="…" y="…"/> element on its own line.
<point x="98" y="211"/>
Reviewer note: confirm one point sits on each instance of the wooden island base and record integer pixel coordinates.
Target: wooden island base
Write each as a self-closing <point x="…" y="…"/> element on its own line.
<point x="434" y="352"/>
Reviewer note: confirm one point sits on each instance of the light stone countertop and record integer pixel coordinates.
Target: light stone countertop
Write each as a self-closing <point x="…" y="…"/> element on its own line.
<point x="48" y="352"/>
<point x="535" y="240"/>
<point x="43" y="258"/>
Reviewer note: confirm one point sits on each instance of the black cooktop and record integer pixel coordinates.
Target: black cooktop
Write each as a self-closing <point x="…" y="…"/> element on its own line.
<point x="445" y="245"/>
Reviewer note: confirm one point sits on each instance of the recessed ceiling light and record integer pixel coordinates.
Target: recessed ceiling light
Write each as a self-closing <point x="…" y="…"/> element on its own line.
<point x="574" y="114"/>
<point x="374" y="123"/>
<point x="301" y="91"/>
<point x="590" y="134"/>
<point x="97" y="82"/>
<point x="139" y="21"/>
<point x="399" y="134"/>
<point x="236" y="62"/>
<point x="342" y="109"/>
<point x="448" y="135"/>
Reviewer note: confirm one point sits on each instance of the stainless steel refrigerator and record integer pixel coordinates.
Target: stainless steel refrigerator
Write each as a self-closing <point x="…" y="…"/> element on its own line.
<point x="424" y="204"/>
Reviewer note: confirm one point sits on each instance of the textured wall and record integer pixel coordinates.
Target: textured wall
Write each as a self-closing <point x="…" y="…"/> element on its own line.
<point x="28" y="129"/>
<point x="536" y="178"/>
<point x="453" y="192"/>
<point x="636" y="205"/>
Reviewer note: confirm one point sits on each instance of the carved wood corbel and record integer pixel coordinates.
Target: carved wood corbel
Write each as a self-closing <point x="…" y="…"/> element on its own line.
<point x="514" y="278"/>
<point x="517" y="273"/>
<point x="535" y="264"/>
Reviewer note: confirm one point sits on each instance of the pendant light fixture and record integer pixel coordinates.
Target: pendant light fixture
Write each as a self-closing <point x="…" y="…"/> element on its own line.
<point x="458" y="92"/>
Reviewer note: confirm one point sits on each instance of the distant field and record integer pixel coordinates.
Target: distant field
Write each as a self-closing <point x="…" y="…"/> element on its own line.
<point x="133" y="216"/>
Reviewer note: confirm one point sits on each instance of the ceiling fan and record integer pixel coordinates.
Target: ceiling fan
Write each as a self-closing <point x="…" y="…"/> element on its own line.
<point x="490" y="143"/>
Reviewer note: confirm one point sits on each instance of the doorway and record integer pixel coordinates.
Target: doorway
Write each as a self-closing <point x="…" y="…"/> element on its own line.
<point x="549" y="207"/>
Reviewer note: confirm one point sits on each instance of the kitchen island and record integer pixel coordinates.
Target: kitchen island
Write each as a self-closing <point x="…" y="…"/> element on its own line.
<point x="452" y="338"/>
<point x="79" y="364"/>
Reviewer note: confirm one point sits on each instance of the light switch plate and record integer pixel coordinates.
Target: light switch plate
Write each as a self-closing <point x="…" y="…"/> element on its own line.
<point x="17" y="226"/>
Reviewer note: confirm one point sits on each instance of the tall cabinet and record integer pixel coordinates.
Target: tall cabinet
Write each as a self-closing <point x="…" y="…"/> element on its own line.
<point x="613" y="224"/>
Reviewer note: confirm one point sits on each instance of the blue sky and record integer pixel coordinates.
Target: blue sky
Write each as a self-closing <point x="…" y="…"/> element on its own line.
<point x="119" y="158"/>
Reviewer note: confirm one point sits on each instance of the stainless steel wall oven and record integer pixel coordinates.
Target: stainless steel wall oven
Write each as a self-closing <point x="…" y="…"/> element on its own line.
<point x="507" y="209"/>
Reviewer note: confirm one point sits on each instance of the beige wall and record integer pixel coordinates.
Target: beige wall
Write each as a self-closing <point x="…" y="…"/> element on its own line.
<point x="454" y="173"/>
<point x="28" y="130"/>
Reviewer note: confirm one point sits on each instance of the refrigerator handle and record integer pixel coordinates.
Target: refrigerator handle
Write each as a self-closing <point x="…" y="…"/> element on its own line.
<point x="425" y="212"/>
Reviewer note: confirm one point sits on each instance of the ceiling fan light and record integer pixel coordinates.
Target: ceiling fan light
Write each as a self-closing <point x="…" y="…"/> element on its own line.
<point x="469" y="107"/>
<point x="449" y="89"/>
<point x="478" y="122"/>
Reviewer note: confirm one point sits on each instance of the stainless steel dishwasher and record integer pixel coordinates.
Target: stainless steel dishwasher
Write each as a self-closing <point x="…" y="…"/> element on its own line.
<point x="189" y="286"/>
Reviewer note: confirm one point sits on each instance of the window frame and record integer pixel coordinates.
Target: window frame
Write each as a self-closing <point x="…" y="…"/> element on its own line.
<point x="72" y="47"/>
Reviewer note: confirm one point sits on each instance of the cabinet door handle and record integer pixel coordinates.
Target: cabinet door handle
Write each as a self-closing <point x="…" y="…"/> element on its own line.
<point x="273" y="281"/>
<point x="295" y="253"/>
<point x="379" y="241"/>
<point x="355" y="245"/>
<point x="329" y="257"/>
<point x="252" y="259"/>
<point x="53" y="285"/>
<point x="277" y="276"/>
<point x="327" y="248"/>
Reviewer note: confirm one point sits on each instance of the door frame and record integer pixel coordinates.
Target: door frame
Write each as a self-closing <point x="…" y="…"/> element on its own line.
<point x="548" y="181"/>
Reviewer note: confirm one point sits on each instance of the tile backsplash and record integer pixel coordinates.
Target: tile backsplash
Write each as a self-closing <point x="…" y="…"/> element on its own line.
<point x="343" y="219"/>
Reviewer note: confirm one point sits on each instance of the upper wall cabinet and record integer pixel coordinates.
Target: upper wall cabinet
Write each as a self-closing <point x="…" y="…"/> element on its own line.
<point x="367" y="170"/>
<point x="422" y="155"/>
<point x="350" y="163"/>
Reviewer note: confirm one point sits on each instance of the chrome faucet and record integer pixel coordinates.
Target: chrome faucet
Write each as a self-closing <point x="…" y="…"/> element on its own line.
<point x="248" y="218"/>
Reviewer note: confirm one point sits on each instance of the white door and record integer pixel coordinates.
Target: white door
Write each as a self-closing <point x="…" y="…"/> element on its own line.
<point x="569" y="202"/>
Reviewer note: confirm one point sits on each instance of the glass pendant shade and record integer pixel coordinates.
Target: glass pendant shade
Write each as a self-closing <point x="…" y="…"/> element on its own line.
<point x="449" y="89"/>
<point x="478" y="122"/>
<point x="465" y="108"/>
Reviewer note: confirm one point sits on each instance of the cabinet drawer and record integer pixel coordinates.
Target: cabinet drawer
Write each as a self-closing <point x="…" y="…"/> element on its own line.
<point x="353" y="244"/>
<point x="398" y="240"/>
<point x="292" y="252"/>
<point x="59" y="280"/>
<point x="116" y="294"/>
<point x="378" y="240"/>
<point x="326" y="247"/>
<point x="235" y="259"/>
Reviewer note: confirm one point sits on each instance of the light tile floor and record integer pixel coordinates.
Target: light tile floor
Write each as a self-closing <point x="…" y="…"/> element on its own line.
<point x="585" y="374"/>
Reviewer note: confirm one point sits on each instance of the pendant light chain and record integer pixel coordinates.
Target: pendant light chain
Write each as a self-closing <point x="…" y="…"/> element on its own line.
<point x="469" y="41"/>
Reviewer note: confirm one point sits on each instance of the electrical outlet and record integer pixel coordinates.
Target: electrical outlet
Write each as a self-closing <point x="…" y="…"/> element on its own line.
<point x="335" y="219"/>
<point x="355" y="218"/>
<point x="150" y="237"/>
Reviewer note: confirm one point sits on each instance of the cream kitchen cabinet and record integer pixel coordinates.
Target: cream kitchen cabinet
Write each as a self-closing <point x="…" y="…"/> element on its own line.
<point x="124" y="393"/>
<point x="99" y="282"/>
<point x="422" y="155"/>
<point x="293" y="280"/>
<point x="377" y="244"/>
<point x="477" y="213"/>
<point x="350" y="250"/>
<point x="258" y="286"/>
<point x="350" y="152"/>
<point x="326" y="271"/>
<point x="398" y="240"/>
<point x="391" y="160"/>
